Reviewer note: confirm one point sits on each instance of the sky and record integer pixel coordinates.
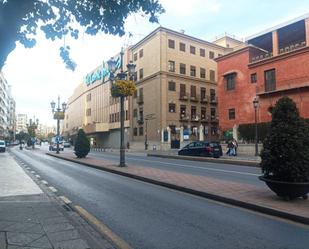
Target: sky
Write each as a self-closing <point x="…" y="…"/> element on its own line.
<point x="39" y="76"/>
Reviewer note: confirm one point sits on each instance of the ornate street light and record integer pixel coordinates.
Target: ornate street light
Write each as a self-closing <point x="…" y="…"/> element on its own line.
<point x="255" y="105"/>
<point x="58" y="115"/>
<point x="112" y="67"/>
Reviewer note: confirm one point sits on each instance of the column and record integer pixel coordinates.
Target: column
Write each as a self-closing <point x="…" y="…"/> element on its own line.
<point x="275" y="43"/>
<point x="201" y="131"/>
<point x="307" y="31"/>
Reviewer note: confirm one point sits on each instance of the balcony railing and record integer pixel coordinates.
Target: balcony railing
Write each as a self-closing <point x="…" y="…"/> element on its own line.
<point x="204" y="99"/>
<point x="214" y="119"/>
<point x="204" y="118"/>
<point x="183" y="96"/>
<point x="286" y="49"/>
<point x="184" y="117"/>
<point x="213" y="100"/>
<point x="194" y="98"/>
<point x="195" y="118"/>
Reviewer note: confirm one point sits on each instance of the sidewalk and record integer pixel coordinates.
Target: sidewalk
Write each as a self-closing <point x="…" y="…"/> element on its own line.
<point x="244" y="195"/>
<point x="29" y="218"/>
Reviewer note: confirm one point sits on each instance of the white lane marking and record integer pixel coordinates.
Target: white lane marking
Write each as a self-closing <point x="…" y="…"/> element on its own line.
<point x="196" y="167"/>
<point x="44" y="182"/>
<point x="37" y="176"/>
<point x="33" y="172"/>
<point x="64" y="199"/>
<point x="53" y="189"/>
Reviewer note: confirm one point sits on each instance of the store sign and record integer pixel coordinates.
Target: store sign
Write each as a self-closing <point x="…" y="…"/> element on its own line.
<point x="101" y="73"/>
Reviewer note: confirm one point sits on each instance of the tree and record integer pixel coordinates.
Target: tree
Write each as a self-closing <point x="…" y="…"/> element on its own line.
<point x="82" y="144"/>
<point x="20" y="20"/>
<point x="285" y="156"/>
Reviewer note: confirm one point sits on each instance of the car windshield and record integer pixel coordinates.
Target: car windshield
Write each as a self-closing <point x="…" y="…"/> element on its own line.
<point x="2" y="143"/>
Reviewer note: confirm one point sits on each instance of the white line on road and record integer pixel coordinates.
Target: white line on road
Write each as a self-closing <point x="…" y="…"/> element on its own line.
<point x="37" y="176"/>
<point x="44" y="182"/>
<point x="53" y="189"/>
<point x="196" y="167"/>
<point x="64" y="199"/>
<point x="33" y="172"/>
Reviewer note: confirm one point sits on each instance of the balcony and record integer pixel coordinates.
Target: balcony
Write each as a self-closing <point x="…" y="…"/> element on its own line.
<point x="213" y="100"/>
<point x="140" y="100"/>
<point x="194" y="98"/>
<point x="183" y="96"/>
<point x="214" y="119"/>
<point x="184" y="117"/>
<point x="204" y="99"/>
<point x="204" y="118"/>
<point x="195" y="118"/>
<point x="292" y="47"/>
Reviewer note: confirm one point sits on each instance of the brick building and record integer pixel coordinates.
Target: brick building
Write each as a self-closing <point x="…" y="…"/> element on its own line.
<point x="273" y="64"/>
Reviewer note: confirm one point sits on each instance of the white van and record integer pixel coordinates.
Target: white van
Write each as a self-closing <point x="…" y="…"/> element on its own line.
<point x="2" y="146"/>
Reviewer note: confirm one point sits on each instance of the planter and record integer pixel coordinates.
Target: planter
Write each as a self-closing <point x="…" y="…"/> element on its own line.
<point x="287" y="190"/>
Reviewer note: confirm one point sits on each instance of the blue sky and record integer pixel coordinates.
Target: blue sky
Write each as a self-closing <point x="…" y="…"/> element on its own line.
<point x="39" y="76"/>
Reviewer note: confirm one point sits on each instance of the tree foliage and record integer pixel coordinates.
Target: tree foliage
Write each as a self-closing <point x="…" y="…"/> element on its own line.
<point x="285" y="156"/>
<point x="82" y="144"/>
<point x="21" y="19"/>
<point x="123" y="88"/>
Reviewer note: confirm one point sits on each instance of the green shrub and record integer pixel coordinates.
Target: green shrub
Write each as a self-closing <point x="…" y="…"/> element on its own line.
<point x="247" y="131"/>
<point x="82" y="144"/>
<point x="285" y="156"/>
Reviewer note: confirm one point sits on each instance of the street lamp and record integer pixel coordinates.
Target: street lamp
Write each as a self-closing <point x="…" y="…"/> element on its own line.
<point x="112" y="67"/>
<point x="31" y="127"/>
<point x="59" y="115"/>
<point x="255" y="105"/>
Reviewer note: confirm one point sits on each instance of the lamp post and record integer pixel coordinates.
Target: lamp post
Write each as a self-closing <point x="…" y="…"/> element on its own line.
<point x="58" y="115"/>
<point x="255" y="105"/>
<point x="31" y="127"/>
<point x="112" y="67"/>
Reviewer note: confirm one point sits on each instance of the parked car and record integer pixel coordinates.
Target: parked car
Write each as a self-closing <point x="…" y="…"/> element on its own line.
<point x="53" y="146"/>
<point x="66" y="145"/>
<point x="200" y="148"/>
<point x="2" y="146"/>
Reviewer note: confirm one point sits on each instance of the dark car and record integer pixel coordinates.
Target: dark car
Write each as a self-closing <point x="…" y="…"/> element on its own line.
<point x="200" y="148"/>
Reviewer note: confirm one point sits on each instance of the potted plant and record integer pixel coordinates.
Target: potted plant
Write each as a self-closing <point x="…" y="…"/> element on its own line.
<point x="285" y="154"/>
<point x="82" y="144"/>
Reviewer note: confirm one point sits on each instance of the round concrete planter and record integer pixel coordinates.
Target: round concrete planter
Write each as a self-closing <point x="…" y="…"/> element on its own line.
<point x="287" y="190"/>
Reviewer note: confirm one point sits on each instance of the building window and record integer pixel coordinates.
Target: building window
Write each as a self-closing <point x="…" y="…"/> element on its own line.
<point x="202" y="73"/>
<point x="211" y="55"/>
<point x="135" y="57"/>
<point x="135" y="113"/>
<point x="141" y="131"/>
<point x="192" y="49"/>
<point x="270" y="80"/>
<point x="127" y="115"/>
<point x="171" y="107"/>
<point x="171" y="43"/>
<point x="141" y="53"/>
<point x="182" y="90"/>
<point x="192" y="71"/>
<point x="182" y="68"/>
<point x="193" y="91"/>
<point x="203" y="93"/>
<point x="88" y="112"/>
<point x="232" y="114"/>
<point x="202" y="52"/>
<point x="203" y="113"/>
<point x="141" y="74"/>
<point x="182" y="47"/>
<point x="171" y="86"/>
<point x="213" y="113"/>
<point x="171" y="66"/>
<point x="230" y="81"/>
<point x="135" y="131"/>
<point x="88" y="98"/>
<point x="212" y="95"/>
<point x="253" y="78"/>
<point x="212" y="75"/>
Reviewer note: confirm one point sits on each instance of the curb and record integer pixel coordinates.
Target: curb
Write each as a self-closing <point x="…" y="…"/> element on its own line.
<point x="254" y="207"/>
<point x="210" y="160"/>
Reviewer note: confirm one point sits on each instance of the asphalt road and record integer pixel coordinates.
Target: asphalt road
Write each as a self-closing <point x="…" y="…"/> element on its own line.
<point x="149" y="216"/>
<point x="237" y="173"/>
